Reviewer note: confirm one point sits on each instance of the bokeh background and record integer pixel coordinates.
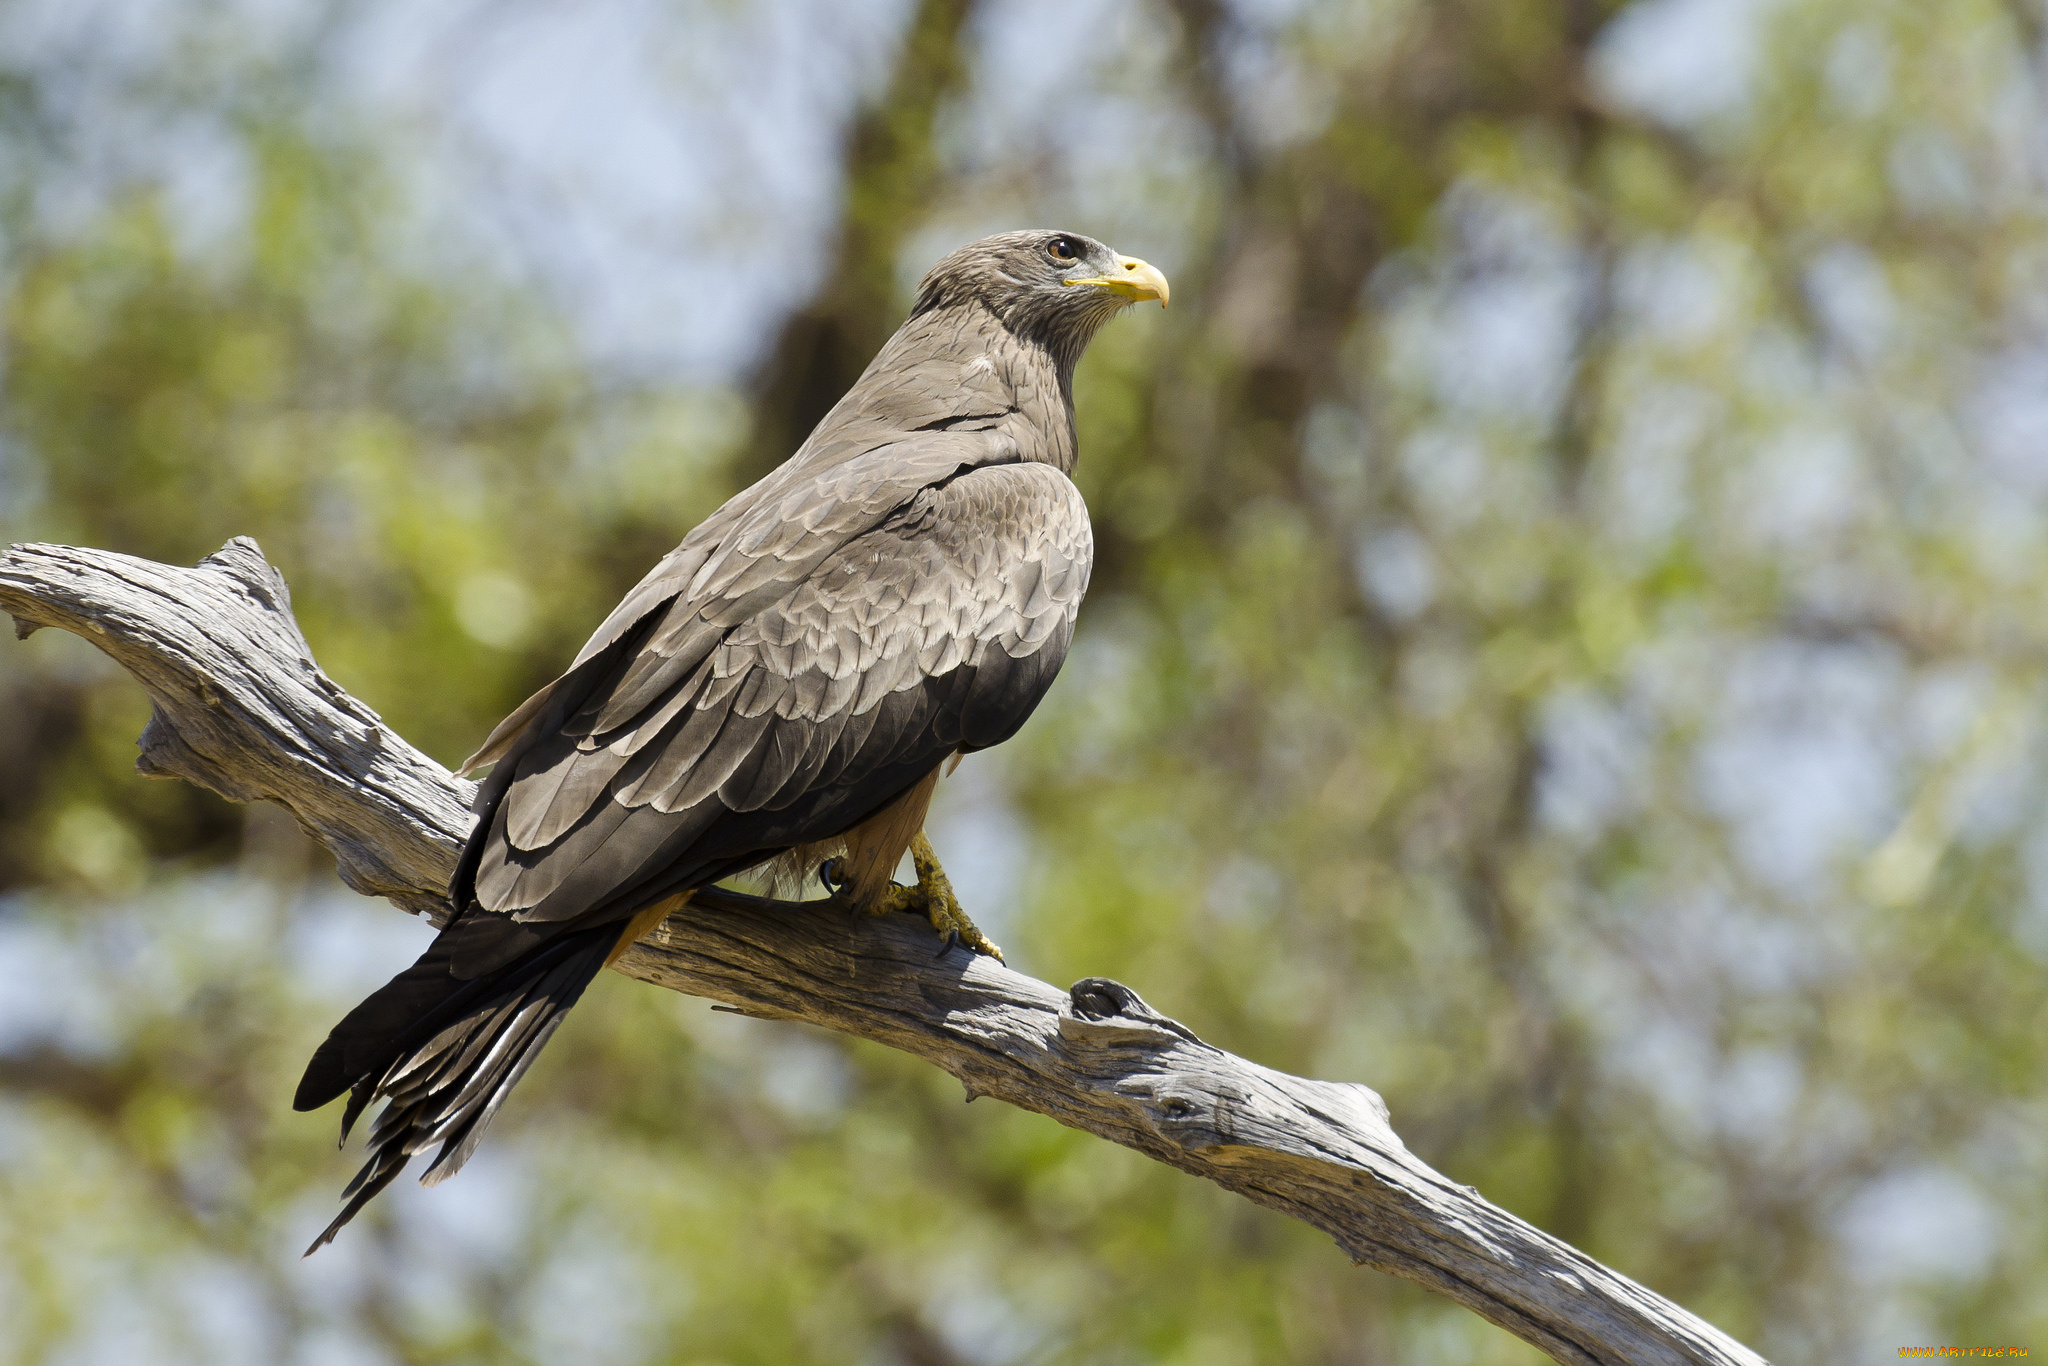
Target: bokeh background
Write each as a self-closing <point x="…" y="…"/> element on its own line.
<point x="1569" y="648"/>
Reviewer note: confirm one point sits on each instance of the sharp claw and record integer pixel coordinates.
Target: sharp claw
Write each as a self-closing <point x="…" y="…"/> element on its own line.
<point x="948" y="941"/>
<point x="828" y="876"/>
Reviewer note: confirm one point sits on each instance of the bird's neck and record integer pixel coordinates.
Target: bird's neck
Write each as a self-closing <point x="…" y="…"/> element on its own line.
<point x="962" y="368"/>
<point x="1042" y="384"/>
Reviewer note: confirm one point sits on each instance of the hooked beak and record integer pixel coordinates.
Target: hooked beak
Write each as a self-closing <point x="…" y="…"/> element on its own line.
<point x="1137" y="280"/>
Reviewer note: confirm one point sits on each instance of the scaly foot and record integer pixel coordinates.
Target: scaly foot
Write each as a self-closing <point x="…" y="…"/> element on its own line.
<point x="933" y="897"/>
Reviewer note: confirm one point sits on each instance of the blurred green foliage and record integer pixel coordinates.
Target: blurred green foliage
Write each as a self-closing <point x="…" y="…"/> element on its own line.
<point x="1567" y="650"/>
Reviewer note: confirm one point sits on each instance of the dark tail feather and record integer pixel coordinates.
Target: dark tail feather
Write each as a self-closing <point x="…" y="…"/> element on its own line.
<point x="444" y="1053"/>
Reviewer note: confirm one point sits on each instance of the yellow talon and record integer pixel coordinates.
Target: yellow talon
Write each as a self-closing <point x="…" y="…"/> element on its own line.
<point x="933" y="897"/>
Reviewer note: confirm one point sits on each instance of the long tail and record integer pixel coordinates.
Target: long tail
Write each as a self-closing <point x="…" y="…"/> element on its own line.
<point x="445" y="1053"/>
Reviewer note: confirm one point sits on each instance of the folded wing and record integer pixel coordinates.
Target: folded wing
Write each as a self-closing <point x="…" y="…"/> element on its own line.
<point x="743" y="723"/>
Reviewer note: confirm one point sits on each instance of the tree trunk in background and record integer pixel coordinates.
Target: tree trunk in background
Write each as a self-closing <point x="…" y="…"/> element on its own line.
<point x="891" y="172"/>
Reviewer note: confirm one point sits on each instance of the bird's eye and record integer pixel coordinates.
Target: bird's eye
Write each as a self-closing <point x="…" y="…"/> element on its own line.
<point x="1064" y="249"/>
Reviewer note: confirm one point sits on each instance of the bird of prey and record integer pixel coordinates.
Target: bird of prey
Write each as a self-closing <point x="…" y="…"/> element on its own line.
<point x="783" y="688"/>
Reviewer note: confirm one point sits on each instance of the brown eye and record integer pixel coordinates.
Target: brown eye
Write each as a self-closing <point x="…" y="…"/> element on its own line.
<point x="1064" y="249"/>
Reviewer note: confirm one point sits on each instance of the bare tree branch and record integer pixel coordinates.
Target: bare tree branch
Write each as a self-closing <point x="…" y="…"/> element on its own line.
<point x="242" y="709"/>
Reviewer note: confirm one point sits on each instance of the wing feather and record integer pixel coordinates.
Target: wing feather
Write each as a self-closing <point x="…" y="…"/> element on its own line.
<point x="568" y="787"/>
<point x="661" y="768"/>
<point x="735" y="745"/>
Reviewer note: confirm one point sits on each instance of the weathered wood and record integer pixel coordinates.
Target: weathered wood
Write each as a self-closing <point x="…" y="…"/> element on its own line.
<point x="242" y="709"/>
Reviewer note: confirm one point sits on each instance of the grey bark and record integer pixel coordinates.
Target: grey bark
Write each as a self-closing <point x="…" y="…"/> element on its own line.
<point x="242" y="709"/>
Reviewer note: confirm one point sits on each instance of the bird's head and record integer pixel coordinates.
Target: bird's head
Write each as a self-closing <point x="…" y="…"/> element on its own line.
<point x="1058" y="287"/>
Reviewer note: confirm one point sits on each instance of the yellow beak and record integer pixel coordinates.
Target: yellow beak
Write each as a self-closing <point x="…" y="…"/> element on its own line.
<point x="1138" y="280"/>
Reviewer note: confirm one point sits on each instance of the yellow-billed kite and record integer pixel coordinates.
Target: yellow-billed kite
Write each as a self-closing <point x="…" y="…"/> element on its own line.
<point x="785" y="684"/>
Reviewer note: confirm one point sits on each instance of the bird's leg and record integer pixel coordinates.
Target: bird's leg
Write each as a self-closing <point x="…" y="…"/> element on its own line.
<point x="933" y="897"/>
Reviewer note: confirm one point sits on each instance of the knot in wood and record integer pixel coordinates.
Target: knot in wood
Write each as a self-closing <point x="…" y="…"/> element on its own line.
<point x="1191" y="1111"/>
<point x="1108" y="1012"/>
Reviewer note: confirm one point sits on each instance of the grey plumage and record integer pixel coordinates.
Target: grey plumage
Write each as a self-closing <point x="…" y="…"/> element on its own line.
<point x="901" y="590"/>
